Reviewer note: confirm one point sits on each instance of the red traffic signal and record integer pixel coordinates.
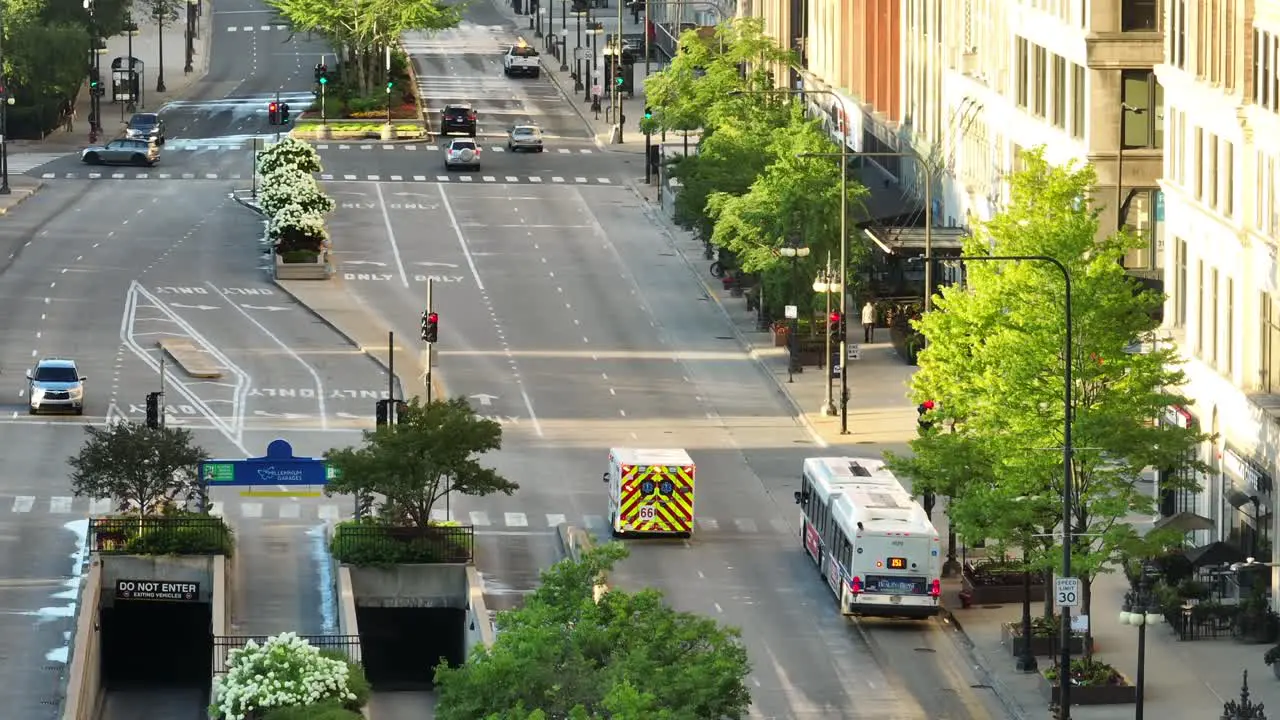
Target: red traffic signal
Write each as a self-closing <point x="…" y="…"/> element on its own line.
<point x="433" y="318"/>
<point x="272" y="107"/>
<point x="835" y="317"/>
<point x="927" y="405"/>
<point x="273" y="114"/>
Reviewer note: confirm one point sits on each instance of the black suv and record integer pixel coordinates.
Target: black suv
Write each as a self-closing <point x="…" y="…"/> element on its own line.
<point x="458" y="118"/>
<point x="146" y="126"/>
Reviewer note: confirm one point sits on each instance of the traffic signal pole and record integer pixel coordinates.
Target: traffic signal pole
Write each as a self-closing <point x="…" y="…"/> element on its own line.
<point x="617" y="70"/>
<point x="430" y="346"/>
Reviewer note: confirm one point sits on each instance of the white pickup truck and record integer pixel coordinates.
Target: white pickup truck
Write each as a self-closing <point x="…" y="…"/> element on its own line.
<point x="521" y="60"/>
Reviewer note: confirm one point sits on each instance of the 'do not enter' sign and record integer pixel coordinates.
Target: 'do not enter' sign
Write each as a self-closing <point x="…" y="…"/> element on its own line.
<point x="157" y="590"/>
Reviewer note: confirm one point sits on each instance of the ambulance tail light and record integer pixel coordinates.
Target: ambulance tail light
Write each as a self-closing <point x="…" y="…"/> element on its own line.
<point x="935" y="588"/>
<point x="855" y="585"/>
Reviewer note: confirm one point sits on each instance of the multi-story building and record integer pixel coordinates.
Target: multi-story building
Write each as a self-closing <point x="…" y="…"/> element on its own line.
<point x="1221" y="74"/>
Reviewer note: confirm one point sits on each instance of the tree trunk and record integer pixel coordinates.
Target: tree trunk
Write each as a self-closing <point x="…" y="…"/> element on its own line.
<point x="1048" y="596"/>
<point x="1086" y="599"/>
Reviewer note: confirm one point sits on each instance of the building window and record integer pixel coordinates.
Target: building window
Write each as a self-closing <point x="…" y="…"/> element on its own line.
<point x="1077" y="101"/>
<point x="1229" y="328"/>
<point x="1138" y="15"/>
<point x="1228" y="178"/>
<point x="1180" y="282"/>
<point x="1267" y="81"/>
<point x="1200" y="318"/>
<point x="1211" y="170"/>
<point x="1211" y="352"/>
<point x="1143" y="120"/>
<point x="1269" y="363"/>
<point x="1178" y="40"/>
<point x="1039" y="79"/>
<point x="1023" y="61"/>
<point x="1059" y="91"/>
<point x="1197" y="156"/>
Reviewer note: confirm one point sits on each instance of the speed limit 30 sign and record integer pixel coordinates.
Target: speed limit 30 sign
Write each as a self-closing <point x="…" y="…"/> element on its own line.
<point x="1066" y="592"/>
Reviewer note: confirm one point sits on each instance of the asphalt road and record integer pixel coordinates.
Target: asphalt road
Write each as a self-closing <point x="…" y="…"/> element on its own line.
<point x="465" y="65"/>
<point x="565" y="315"/>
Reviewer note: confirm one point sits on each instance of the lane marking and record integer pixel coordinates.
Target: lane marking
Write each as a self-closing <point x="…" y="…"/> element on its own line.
<point x="391" y="234"/>
<point x="457" y="230"/>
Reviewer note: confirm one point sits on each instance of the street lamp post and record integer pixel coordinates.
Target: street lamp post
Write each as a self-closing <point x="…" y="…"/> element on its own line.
<point x="1064" y="667"/>
<point x="1140" y="610"/>
<point x="794" y="253"/>
<point x="1244" y="708"/>
<point x="588" y="61"/>
<point x="826" y="283"/>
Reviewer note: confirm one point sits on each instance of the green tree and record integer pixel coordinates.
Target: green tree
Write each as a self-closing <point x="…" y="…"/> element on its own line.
<point x="433" y="449"/>
<point x="995" y="363"/>
<point x="628" y="657"/>
<point x="143" y="469"/>
<point x="366" y="27"/>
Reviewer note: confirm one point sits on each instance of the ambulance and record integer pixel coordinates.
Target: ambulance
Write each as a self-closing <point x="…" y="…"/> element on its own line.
<point x="650" y="492"/>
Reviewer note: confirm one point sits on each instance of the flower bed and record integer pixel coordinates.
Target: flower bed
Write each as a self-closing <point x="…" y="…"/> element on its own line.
<point x="286" y="677"/>
<point x="1044" y="637"/>
<point x="1092" y="683"/>
<point x="293" y="203"/>
<point x="999" y="583"/>
<point x="354" y="130"/>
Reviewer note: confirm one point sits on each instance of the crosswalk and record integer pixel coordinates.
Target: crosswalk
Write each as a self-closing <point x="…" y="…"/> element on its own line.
<point x="25" y="162"/>
<point x="293" y="510"/>
<point x="437" y="148"/>
<point x="257" y="28"/>
<point x="454" y="178"/>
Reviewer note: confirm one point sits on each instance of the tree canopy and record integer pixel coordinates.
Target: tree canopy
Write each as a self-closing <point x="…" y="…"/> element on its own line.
<point x="628" y="657"/>
<point x="746" y="190"/>
<point x="143" y="469"/>
<point x="433" y="449"/>
<point x="994" y="366"/>
<point x="362" y="29"/>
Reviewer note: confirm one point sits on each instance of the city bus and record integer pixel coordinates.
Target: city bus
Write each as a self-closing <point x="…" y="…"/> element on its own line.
<point x="871" y="541"/>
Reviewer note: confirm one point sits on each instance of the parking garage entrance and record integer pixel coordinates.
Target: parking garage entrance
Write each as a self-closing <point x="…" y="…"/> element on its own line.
<point x="402" y="646"/>
<point x="156" y="634"/>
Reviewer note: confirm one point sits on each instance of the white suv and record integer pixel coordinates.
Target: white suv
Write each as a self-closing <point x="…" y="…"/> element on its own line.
<point x="55" y="384"/>
<point x="462" y="152"/>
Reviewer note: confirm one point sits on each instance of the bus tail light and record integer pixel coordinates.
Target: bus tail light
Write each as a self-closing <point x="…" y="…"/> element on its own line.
<point x="855" y="585"/>
<point x="935" y="588"/>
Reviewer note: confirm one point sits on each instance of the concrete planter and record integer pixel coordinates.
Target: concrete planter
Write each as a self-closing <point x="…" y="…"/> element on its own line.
<point x="318" y="270"/>
<point x="388" y="132"/>
<point x="1001" y="594"/>
<point x="1091" y="694"/>
<point x="324" y="132"/>
<point x="1041" y="646"/>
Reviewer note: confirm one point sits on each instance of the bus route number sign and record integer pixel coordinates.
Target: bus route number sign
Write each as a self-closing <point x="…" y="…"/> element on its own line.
<point x="1066" y="592"/>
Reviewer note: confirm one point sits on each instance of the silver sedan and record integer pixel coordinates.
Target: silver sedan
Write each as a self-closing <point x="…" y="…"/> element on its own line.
<point x="525" y="137"/>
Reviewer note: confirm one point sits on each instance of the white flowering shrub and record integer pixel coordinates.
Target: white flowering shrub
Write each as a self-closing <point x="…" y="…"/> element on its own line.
<point x="286" y="187"/>
<point x="284" y="671"/>
<point x="292" y="228"/>
<point x="289" y="152"/>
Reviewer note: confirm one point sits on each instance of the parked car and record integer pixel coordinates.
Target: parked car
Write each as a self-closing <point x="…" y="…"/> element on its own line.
<point x="122" y="152"/>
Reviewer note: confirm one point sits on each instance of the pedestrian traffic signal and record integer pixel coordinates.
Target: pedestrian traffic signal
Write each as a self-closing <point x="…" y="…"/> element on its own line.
<point x="924" y="422"/>
<point x="430" y="326"/>
<point x="273" y="114"/>
<point x="153" y="410"/>
<point x="284" y="113"/>
<point x="835" y="327"/>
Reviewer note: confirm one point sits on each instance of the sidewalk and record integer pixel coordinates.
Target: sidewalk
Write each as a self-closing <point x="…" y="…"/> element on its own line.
<point x="146" y="48"/>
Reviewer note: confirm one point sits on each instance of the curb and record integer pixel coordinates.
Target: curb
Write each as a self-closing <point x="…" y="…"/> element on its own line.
<point x="998" y="688"/>
<point x="572" y="99"/>
<point x="798" y="413"/>
<point x="34" y="189"/>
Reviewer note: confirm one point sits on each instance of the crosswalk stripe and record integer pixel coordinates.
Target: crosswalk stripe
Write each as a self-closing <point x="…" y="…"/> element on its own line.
<point x="708" y="524"/>
<point x="489" y="178"/>
<point x="585" y="151"/>
<point x="251" y="510"/>
<point x="419" y="178"/>
<point x="579" y="179"/>
<point x="512" y="178"/>
<point x="557" y="179"/>
<point x="565" y="151"/>
<point x="746" y="525"/>
<point x="554" y="519"/>
<point x="442" y="178"/>
<point x="23" y="503"/>
<point x="535" y="179"/>
<point x="349" y="177"/>
<point x="479" y="518"/>
<point x="329" y="512"/>
<point x="604" y="181"/>
<point x="396" y="178"/>
<point x="465" y="178"/>
<point x="60" y="505"/>
<point x="290" y="511"/>
<point x="516" y="519"/>
<point x="101" y="506"/>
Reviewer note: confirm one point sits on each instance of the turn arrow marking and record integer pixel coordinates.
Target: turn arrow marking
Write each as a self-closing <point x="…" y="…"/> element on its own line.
<point x="272" y="308"/>
<point x="485" y="399"/>
<point x="364" y="262"/>
<point x="287" y="416"/>
<point x="436" y="264"/>
<point x="194" y="307"/>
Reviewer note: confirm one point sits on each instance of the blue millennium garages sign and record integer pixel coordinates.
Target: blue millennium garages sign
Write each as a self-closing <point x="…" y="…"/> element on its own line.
<point x="277" y="467"/>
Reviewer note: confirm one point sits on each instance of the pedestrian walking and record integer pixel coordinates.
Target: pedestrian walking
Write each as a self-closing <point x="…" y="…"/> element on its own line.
<point x="68" y="115"/>
<point x="595" y="105"/>
<point x="868" y="322"/>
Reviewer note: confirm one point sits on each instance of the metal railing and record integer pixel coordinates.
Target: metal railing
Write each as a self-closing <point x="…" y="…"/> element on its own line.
<point x="158" y="535"/>
<point x="437" y="543"/>
<point x="348" y="645"/>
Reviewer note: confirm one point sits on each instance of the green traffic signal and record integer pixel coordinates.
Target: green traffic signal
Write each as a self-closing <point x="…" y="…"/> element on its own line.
<point x="324" y="80"/>
<point x="617" y="81"/>
<point x="389" y="84"/>
<point x="648" y="114"/>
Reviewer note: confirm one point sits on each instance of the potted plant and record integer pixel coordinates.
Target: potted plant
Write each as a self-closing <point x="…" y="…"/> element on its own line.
<point x="1272" y="658"/>
<point x="999" y="582"/>
<point x="781" y="332"/>
<point x="1255" y="621"/>
<point x="1045" y="637"/>
<point x="1092" y="683"/>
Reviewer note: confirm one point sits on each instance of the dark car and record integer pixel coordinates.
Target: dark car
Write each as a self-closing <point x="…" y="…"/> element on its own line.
<point x="458" y="118"/>
<point x="145" y="126"/>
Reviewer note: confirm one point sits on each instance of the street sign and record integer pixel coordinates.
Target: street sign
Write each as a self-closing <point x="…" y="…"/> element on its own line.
<point x="1066" y="592"/>
<point x="790" y="312"/>
<point x="157" y="590"/>
<point x="855" y="351"/>
<point x="277" y="467"/>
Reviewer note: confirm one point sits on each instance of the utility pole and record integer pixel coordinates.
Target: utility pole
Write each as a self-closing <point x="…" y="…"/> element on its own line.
<point x="617" y="70"/>
<point x="161" y="401"/>
<point x="430" y="346"/>
<point x="4" y="118"/>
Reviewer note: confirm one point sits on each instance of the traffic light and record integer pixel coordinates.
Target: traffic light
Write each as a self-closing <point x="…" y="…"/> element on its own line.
<point x="95" y="84"/>
<point x="924" y="422"/>
<point x="382" y="413"/>
<point x="322" y="73"/>
<point x="430" y="326"/>
<point x="835" y="327"/>
<point x="153" y="410"/>
<point x="619" y="77"/>
<point x="927" y="501"/>
<point x="648" y="114"/>
<point x="273" y="114"/>
<point x="389" y="86"/>
<point x="284" y="113"/>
